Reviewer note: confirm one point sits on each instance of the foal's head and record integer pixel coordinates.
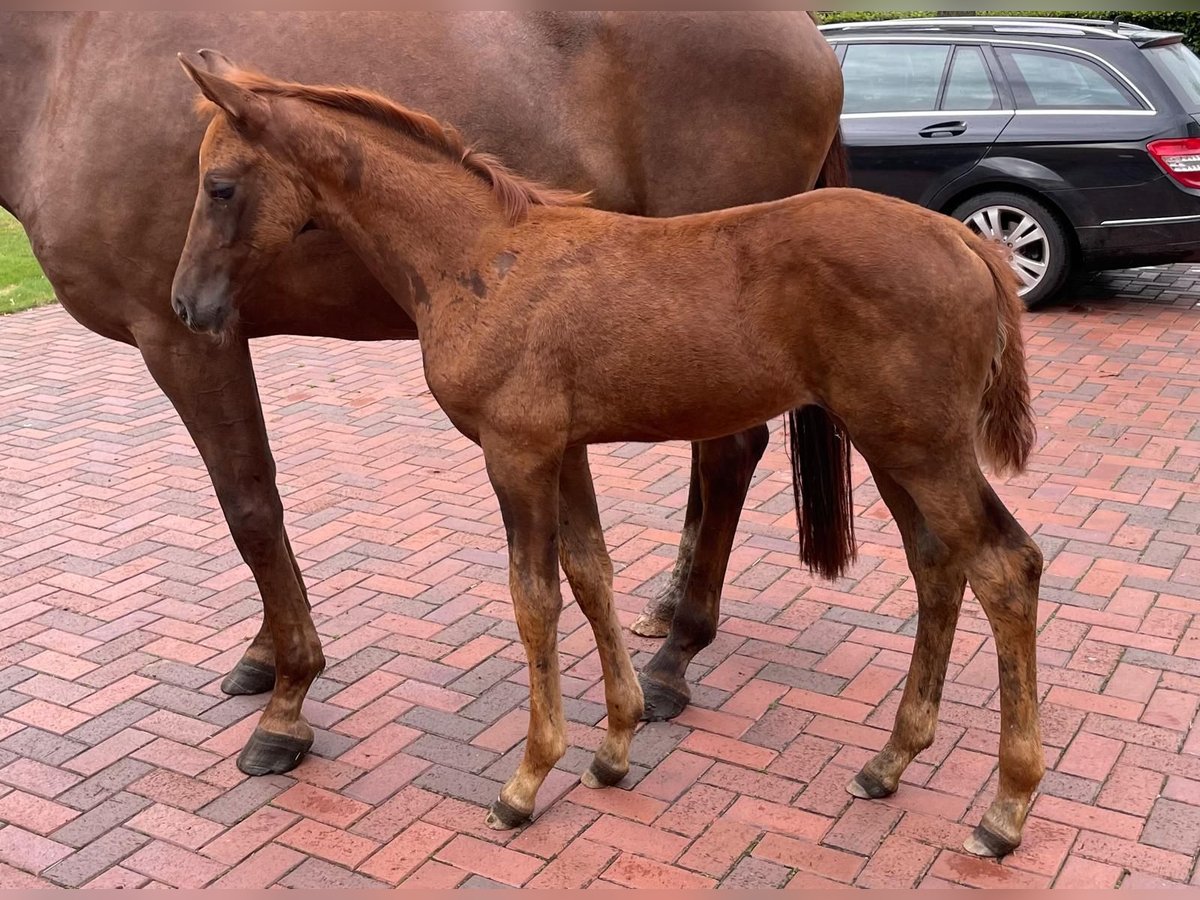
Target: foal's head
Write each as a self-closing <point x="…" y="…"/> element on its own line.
<point x="251" y="204"/>
<point x="257" y="192"/>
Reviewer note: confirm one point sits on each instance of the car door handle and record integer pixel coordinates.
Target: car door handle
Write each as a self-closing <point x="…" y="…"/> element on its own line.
<point x="943" y="129"/>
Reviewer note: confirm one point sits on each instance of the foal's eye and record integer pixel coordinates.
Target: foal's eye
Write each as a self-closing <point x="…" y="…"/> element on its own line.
<point x="221" y="192"/>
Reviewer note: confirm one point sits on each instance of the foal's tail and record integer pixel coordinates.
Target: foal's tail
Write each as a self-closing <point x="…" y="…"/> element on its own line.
<point x="1006" y="430"/>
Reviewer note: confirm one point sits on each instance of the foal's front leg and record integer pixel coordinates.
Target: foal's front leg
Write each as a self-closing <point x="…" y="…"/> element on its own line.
<point x="589" y="570"/>
<point x="525" y="479"/>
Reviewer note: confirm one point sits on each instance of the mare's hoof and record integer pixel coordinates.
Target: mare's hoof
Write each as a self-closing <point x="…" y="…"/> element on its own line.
<point x="249" y="677"/>
<point x="650" y="626"/>
<point x="272" y="754"/>
<point x="866" y="786"/>
<point x="983" y="842"/>
<point x="600" y="774"/>
<point x="661" y="702"/>
<point x="502" y="817"/>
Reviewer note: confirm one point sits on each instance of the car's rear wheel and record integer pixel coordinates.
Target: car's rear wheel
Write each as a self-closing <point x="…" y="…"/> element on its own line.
<point x="1041" y="256"/>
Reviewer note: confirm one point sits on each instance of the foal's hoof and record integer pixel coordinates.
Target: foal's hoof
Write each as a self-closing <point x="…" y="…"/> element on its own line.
<point x="272" y="754"/>
<point x="866" y="786"/>
<point x="661" y="702"/>
<point x="650" y="626"/>
<point x="502" y="817"/>
<point x="983" y="842"/>
<point x="249" y="677"/>
<point x="600" y="775"/>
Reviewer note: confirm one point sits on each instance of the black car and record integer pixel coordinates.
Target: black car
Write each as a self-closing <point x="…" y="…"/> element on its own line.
<point x="1074" y="141"/>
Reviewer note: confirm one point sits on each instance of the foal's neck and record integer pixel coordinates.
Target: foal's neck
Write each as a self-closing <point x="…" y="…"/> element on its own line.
<point x="412" y="214"/>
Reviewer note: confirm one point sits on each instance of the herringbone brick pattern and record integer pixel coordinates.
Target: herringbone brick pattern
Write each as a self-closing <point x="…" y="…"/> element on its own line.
<point x="122" y="601"/>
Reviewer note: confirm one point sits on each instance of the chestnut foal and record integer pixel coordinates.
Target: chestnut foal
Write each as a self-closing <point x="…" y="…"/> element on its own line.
<point x="546" y="326"/>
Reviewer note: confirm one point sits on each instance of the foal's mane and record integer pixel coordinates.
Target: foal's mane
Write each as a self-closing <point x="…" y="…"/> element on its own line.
<point x="514" y="193"/>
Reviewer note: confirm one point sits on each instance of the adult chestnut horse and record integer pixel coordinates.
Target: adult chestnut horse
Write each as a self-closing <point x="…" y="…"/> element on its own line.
<point x="655" y="113"/>
<point x="546" y="326"/>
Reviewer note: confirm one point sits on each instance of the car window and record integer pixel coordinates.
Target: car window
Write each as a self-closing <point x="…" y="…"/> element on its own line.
<point x="1181" y="69"/>
<point x="892" y="77"/>
<point x="970" y="84"/>
<point x="1047" y="80"/>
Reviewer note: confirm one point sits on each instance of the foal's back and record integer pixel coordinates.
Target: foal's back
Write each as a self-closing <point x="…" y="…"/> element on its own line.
<point x="708" y="323"/>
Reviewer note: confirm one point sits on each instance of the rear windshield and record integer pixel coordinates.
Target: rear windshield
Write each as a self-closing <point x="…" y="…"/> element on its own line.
<point x="1180" y="68"/>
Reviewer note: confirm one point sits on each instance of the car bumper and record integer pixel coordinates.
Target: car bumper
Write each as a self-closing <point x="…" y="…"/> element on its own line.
<point x="1140" y="242"/>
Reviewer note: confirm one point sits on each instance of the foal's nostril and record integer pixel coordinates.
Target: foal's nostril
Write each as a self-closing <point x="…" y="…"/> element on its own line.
<point x="181" y="310"/>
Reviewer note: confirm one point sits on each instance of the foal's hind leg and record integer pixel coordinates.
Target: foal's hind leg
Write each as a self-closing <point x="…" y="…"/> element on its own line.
<point x="589" y="570"/>
<point x="715" y="496"/>
<point x="526" y="480"/>
<point x="940" y="582"/>
<point x="726" y="469"/>
<point x="1003" y="566"/>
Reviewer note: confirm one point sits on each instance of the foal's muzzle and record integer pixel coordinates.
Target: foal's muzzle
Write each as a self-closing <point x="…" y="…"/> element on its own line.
<point x="204" y="314"/>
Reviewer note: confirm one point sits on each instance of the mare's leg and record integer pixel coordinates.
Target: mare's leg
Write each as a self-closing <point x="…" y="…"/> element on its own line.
<point x="726" y="468"/>
<point x="213" y="388"/>
<point x="589" y="570"/>
<point x="526" y="478"/>
<point x="1003" y="565"/>
<point x="940" y="581"/>
<point x="716" y="494"/>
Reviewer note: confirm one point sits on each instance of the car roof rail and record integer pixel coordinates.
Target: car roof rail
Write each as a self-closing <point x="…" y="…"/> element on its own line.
<point x="1077" y="27"/>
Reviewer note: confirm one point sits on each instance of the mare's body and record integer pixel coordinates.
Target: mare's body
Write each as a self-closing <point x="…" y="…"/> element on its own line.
<point x="97" y="160"/>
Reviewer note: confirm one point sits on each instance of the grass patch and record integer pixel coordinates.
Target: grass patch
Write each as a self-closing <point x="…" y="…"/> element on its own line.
<point x="22" y="284"/>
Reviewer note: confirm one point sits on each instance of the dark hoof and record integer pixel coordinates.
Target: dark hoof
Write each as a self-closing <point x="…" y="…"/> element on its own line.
<point x="866" y="786"/>
<point x="249" y="677"/>
<point x="503" y="817"/>
<point x="989" y="844"/>
<point x="662" y="702"/>
<point x="272" y="754"/>
<point x="601" y="774"/>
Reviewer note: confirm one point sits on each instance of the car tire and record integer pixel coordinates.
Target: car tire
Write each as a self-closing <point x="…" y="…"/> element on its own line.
<point x="1041" y="252"/>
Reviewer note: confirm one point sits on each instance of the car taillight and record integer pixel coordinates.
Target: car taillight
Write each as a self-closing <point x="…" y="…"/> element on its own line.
<point x="1181" y="159"/>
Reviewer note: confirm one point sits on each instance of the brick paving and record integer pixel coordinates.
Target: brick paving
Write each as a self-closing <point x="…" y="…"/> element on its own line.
<point x="123" y="600"/>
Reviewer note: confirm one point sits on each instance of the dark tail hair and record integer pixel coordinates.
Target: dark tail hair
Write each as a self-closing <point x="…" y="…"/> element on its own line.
<point x="1006" y="430"/>
<point x="819" y="451"/>
<point x="835" y="171"/>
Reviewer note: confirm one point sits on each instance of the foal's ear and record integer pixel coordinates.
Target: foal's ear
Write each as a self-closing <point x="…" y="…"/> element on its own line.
<point x="246" y="110"/>
<point x="218" y="62"/>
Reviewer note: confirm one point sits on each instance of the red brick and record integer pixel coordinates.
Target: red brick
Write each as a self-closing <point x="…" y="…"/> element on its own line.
<point x="1079" y="873"/>
<point x="26" y="850"/>
<point x="1130" y="790"/>
<point x="47" y="716"/>
<point x="577" y="865"/>
<point x="737" y="752"/>
<point x="810" y="857"/>
<point x="262" y="869"/>
<point x="1090" y="756"/>
<point x="898" y="864"/>
<point x="174" y="865"/>
<point x="638" y="872"/>
<point x="627" y="804"/>
<point x="248" y="835"/>
<point x="324" y="806"/>
<point x="435" y="876"/>
<point x="754" y="699"/>
<point x="402" y="856"/>
<point x="776" y="817"/>
<point x="984" y="873"/>
<point x="1108" y="706"/>
<point x="505" y="866"/>
<point x="1171" y="709"/>
<point x="327" y="842"/>
<point x="34" y="813"/>
<point x="1134" y="856"/>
